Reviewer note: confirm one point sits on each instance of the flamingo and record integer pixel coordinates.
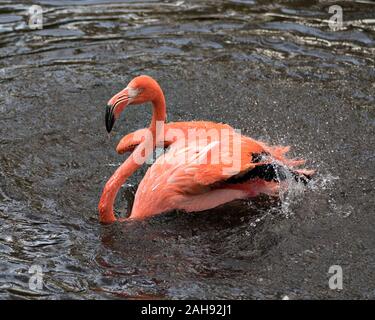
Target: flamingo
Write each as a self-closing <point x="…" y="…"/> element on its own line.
<point x="184" y="178"/>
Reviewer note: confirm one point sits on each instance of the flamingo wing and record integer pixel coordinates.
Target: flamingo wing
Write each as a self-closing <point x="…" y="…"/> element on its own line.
<point x="187" y="176"/>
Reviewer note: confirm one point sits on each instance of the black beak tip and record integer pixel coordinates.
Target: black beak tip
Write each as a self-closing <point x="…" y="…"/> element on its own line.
<point x="109" y="118"/>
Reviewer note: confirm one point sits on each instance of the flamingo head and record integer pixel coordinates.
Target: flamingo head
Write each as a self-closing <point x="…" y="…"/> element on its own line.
<point x="140" y="90"/>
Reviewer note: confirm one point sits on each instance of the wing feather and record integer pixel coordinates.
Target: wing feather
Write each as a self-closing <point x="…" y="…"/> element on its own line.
<point x="193" y="167"/>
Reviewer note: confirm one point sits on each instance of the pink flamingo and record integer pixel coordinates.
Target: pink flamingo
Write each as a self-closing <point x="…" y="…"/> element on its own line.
<point x="179" y="179"/>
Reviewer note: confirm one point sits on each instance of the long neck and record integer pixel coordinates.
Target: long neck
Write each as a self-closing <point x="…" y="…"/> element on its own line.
<point x="113" y="185"/>
<point x="159" y="111"/>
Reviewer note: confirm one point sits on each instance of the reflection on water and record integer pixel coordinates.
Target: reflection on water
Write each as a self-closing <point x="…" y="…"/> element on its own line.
<point x="273" y="69"/>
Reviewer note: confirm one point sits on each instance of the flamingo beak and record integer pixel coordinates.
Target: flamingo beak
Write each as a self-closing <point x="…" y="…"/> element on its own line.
<point x="109" y="118"/>
<point x="114" y="107"/>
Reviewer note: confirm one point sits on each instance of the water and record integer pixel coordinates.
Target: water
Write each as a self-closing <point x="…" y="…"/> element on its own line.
<point x="275" y="70"/>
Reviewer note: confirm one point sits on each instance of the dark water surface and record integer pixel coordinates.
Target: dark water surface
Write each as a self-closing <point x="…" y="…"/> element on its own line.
<point x="273" y="69"/>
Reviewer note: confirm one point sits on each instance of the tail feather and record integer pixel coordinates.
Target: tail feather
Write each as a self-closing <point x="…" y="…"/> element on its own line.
<point x="278" y="153"/>
<point x="272" y="172"/>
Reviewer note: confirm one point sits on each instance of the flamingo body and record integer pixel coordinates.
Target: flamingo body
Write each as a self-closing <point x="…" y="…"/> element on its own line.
<point x="183" y="179"/>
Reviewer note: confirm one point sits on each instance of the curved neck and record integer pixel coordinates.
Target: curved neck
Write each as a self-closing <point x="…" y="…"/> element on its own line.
<point x="111" y="188"/>
<point x="159" y="111"/>
<point x="125" y="170"/>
